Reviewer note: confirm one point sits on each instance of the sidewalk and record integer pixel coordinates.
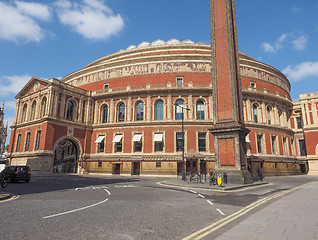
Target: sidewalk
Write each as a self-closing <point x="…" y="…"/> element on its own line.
<point x="292" y="217"/>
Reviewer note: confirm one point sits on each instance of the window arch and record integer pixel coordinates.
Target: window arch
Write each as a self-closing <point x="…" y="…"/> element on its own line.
<point x="104" y="113"/>
<point x="33" y="110"/>
<point x="24" y="112"/>
<point x="43" y="107"/>
<point x="121" y="112"/>
<point x="70" y="110"/>
<point x="269" y="110"/>
<point x="200" y="110"/>
<point x="179" y="109"/>
<point x="159" y="110"/>
<point x="139" y="111"/>
<point x="255" y="116"/>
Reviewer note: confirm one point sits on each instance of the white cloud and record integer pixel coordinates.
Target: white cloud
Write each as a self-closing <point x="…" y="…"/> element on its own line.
<point x="300" y="43"/>
<point x="92" y="18"/>
<point x="296" y="40"/>
<point x="301" y="71"/>
<point x="267" y="47"/>
<point x="17" y="21"/>
<point x="35" y="10"/>
<point x="12" y="84"/>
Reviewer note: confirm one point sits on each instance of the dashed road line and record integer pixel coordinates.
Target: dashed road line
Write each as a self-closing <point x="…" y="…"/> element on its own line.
<point x="210" y="202"/>
<point x="222" y="213"/>
<point x="200" y="195"/>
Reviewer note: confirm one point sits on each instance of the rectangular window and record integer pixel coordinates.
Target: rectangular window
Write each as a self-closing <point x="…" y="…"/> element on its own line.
<point x="17" y="148"/>
<point x="284" y="146"/>
<point x="273" y="144"/>
<point x="158" y="142"/>
<point x="100" y="144"/>
<point x="27" y="142"/>
<point x="179" y="81"/>
<point x="118" y="143"/>
<point x="202" y="142"/>
<point x="299" y="122"/>
<point x="137" y="142"/>
<point x="106" y="86"/>
<point x="253" y="84"/>
<point x="179" y="142"/>
<point x="37" y="140"/>
<point x="100" y="164"/>
<point x="158" y="164"/>
<point x="302" y="147"/>
<point x="119" y="147"/>
<point x="259" y="143"/>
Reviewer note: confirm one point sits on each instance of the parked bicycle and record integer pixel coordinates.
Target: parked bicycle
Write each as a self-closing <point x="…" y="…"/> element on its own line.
<point x="213" y="179"/>
<point x="3" y="181"/>
<point x="197" y="177"/>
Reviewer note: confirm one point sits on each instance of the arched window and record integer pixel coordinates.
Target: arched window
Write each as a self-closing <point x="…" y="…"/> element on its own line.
<point x="33" y="110"/>
<point x="104" y="113"/>
<point x="70" y="110"/>
<point x="179" y="109"/>
<point x="43" y="107"/>
<point x="159" y="110"/>
<point x="200" y="110"/>
<point x="269" y="115"/>
<point x="24" y="112"/>
<point x="255" y="118"/>
<point x="139" y="111"/>
<point x="121" y="112"/>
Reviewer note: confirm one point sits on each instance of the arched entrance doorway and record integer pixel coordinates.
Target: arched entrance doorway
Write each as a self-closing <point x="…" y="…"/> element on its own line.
<point x="65" y="157"/>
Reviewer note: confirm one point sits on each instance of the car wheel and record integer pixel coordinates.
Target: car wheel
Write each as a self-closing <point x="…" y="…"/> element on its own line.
<point x="28" y="180"/>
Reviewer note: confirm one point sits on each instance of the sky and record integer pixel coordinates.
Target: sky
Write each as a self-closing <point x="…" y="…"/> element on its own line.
<point x="53" y="38"/>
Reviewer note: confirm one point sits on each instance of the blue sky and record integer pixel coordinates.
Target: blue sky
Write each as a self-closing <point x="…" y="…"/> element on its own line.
<point x="54" y="38"/>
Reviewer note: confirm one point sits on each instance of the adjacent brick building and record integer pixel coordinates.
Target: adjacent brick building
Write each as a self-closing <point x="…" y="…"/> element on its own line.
<point x="121" y="114"/>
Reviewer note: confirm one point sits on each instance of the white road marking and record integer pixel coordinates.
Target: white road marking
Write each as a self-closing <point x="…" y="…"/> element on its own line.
<point x="210" y="202"/>
<point x="193" y="191"/>
<point x="222" y="213"/>
<point x="125" y="186"/>
<point x="75" y="210"/>
<point x="107" y="191"/>
<point x="201" y="196"/>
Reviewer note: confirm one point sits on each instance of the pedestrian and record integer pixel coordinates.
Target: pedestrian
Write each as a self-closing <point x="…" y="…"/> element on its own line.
<point x="259" y="174"/>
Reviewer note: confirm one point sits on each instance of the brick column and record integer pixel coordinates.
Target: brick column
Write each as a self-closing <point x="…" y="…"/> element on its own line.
<point x="228" y="127"/>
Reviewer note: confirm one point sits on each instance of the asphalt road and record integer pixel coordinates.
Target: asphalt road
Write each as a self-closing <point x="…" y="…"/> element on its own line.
<point x="114" y="207"/>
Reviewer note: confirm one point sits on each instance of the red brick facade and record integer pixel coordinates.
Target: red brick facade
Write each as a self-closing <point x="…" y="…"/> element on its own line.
<point x="168" y="72"/>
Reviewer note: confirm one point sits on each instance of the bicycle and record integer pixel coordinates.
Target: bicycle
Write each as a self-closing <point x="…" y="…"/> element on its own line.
<point x="212" y="179"/>
<point x="3" y="181"/>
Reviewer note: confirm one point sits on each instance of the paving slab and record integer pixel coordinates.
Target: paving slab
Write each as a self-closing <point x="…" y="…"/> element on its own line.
<point x="295" y="218"/>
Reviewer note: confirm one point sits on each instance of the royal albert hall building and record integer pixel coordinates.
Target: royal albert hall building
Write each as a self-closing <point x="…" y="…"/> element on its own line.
<point x="124" y="114"/>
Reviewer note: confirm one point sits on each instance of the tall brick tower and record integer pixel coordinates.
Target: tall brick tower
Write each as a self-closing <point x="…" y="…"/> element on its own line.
<point x="228" y="127"/>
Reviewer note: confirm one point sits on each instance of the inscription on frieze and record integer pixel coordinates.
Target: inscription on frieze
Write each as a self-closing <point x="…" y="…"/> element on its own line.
<point x="142" y="69"/>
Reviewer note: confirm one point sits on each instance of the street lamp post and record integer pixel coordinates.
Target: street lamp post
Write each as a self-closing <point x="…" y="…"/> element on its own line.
<point x="182" y="129"/>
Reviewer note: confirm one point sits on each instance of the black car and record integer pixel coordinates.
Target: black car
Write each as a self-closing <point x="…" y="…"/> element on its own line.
<point x="17" y="173"/>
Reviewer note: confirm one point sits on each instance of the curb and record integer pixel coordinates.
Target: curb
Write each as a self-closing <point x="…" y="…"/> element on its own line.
<point x="216" y="188"/>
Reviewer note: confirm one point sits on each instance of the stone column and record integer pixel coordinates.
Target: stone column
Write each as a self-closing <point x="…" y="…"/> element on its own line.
<point x="169" y="107"/>
<point x="190" y="106"/>
<point x="129" y="108"/>
<point x="111" y="111"/>
<point x="148" y="108"/>
<point x="228" y="127"/>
